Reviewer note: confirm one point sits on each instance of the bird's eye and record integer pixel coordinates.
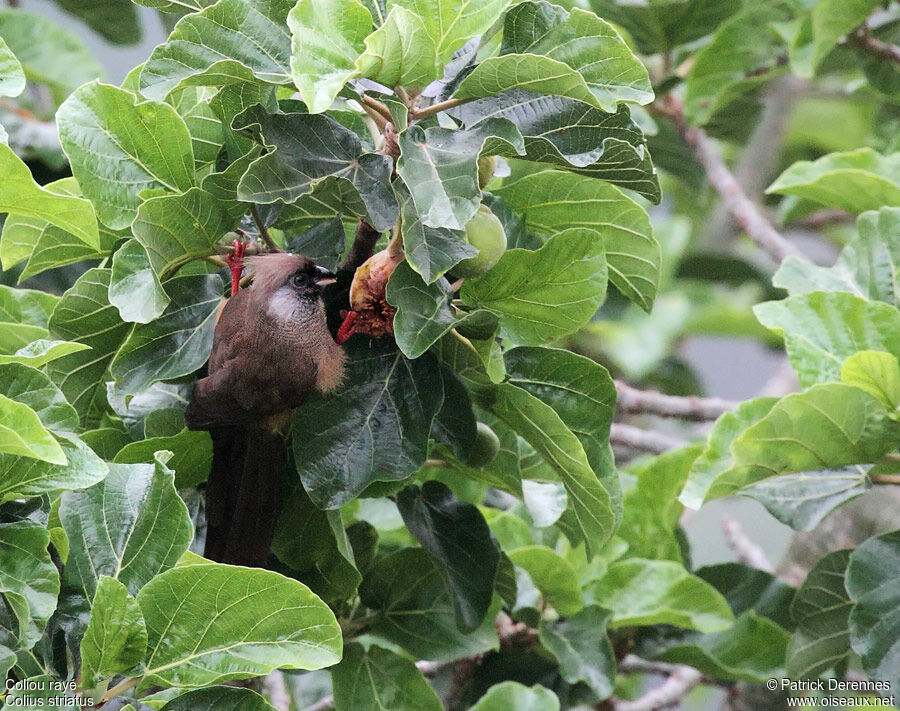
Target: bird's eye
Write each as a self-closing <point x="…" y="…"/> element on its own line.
<point x="299" y="280"/>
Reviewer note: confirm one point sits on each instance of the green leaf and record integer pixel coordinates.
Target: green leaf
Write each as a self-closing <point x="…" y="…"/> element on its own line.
<point x="743" y="54"/>
<point x="27" y="571"/>
<point x="554" y="201"/>
<point x="327" y="37"/>
<point x="803" y="500"/>
<point x="457" y="538"/>
<point x="134" y="287"/>
<point x="717" y="458"/>
<point x="193" y="104"/>
<point x="430" y="251"/>
<point x="116" y="638"/>
<point x="553" y="575"/>
<point x="40" y="352"/>
<point x="513" y="695"/>
<point x="230" y="41"/>
<point x="822" y="329"/>
<point x="416" y="611"/>
<point x="652" y="509"/>
<point x="219" y="698"/>
<point x="573" y="135"/>
<point x="314" y="155"/>
<point x="868" y="267"/>
<point x="665" y="24"/>
<point x="191" y="455"/>
<point x="20" y="195"/>
<point x="314" y="543"/>
<point x="119" y="146"/>
<point x="872" y="581"/>
<point x="175" y="229"/>
<point x="827" y="426"/>
<point x="43" y="245"/>
<point x="855" y="181"/>
<point x="545" y="294"/>
<point x="25" y="306"/>
<point x="583" y="650"/>
<point x="33" y="388"/>
<point x="440" y="167"/>
<point x="200" y="617"/>
<point x="12" y="76"/>
<point x="876" y="372"/>
<point x="451" y="23"/>
<point x="84" y="315"/>
<point x="21" y="433"/>
<point x="821" y="610"/>
<point x="551" y="51"/>
<point x="178" y="342"/>
<point x="49" y="54"/>
<point x="651" y="592"/>
<point x="130" y="526"/>
<point x="400" y="52"/>
<point x="752" y="650"/>
<point x="380" y="679"/>
<point x="829" y="20"/>
<point x="375" y="427"/>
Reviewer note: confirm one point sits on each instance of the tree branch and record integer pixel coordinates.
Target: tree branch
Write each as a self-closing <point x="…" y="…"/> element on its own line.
<point x="437" y="108"/>
<point x="363" y="246"/>
<point x="745" y="212"/>
<point x="747" y="551"/>
<point x="644" y="440"/>
<point x="632" y="400"/>
<point x="263" y="230"/>
<point x="876" y="47"/>
<point x="681" y="682"/>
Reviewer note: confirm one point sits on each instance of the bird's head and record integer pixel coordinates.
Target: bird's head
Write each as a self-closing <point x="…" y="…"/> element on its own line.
<point x="290" y="284"/>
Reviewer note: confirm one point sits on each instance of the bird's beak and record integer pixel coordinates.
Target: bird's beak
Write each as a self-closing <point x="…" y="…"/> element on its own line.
<point x="324" y="277"/>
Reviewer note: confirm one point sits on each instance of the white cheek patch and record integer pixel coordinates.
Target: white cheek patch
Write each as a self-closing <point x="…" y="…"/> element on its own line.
<point x="283" y="306"/>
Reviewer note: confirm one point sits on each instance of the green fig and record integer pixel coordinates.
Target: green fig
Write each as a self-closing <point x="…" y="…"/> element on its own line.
<point x="485" y="448"/>
<point x="485" y="232"/>
<point x="486" y="167"/>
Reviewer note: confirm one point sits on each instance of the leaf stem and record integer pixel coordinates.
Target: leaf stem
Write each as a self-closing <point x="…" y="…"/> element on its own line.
<point x="379" y="120"/>
<point x="263" y="230"/>
<point x="122" y="687"/>
<point x="437" y="108"/>
<point x="376" y="105"/>
<point x="886" y="479"/>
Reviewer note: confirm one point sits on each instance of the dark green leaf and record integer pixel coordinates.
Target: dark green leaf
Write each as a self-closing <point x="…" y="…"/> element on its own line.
<point x="456" y="536"/>
<point x="219" y="698"/>
<point x="582" y="649"/>
<point x="748" y="588"/>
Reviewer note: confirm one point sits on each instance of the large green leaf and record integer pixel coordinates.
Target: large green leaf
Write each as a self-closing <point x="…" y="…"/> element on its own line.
<point x="415" y="609"/>
<point x="175" y="344"/>
<point x="663" y="25"/>
<point x="822" y="329"/>
<point x="21" y="433"/>
<point x="828" y="21"/>
<point x="552" y="201"/>
<point x="377" y="678"/>
<point x="747" y="588"/>
<point x="27" y="571"/>
<point x="543" y="295"/>
<point x="513" y="695"/>
<point x="134" y="287"/>
<point x="202" y="616"/>
<point x="131" y="526"/>
<point x="174" y="229"/>
<point x="400" y="52"/>
<point x="375" y="427"/>
<point x="20" y="195"/>
<point x="230" y="41"/>
<point x="583" y="650"/>
<point x="742" y="55"/>
<point x="219" y="698"/>
<point x="440" y="167"/>
<point x="552" y="575"/>
<point x="12" y="76"/>
<point x="116" y="638"/>
<point x="450" y="23"/>
<point x="872" y="581"/>
<point x="552" y="51"/>
<point x="327" y="37"/>
<point x="752" y="650"/>
<point x="821" y="610"/>
<point x="119" y="146"/>
<point x="40" y="352"/>
<point x="573" y="135"/>
<point x="42" y="245"/>
<point x="49" y="54"/>
<point x="856" y="181"/>
<point x="456" y="536"/>
<point x="24" y="477"/>
<point x="876" y="372"/>
<point x="650" y="592"/>
<point x="191" y="454"/>
<point x="312" y="154"/>
<point x="868" y="267"/>
<point x="85" y="315"/>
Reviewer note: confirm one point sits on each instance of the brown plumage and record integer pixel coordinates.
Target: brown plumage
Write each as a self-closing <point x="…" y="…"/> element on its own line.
<point x="271" y="349"/>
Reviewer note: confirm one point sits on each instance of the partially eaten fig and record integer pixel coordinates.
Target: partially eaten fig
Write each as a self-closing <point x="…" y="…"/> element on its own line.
<point x="370" y="313"/>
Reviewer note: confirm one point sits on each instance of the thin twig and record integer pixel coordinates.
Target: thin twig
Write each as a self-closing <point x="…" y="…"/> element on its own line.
<point x="876" y="47"/>
<point x="631" y="400"/>
<point x="680" y="683"/>
<point x="218" y="261"/>
<point x="276" y="691"/>
<point x="437" y="108"/>
<point x="823" y="218"/>
<point x="742" y="208"/>
<point x="363" y="246"/>
<point x="376" y="105"/>
<point x="632" y="664"/>
<point x="122" y="687"/>
<point x="886" y="479"/>
<point x="747" y="551"/>
<point x="379" y="120"/>
<point x="644" y="440"/>
<point x="263" y="230"/>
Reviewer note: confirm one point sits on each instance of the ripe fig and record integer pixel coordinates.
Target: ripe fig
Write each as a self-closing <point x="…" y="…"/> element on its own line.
<point x="485" y="232"/>
<point x="370" y="312"/>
